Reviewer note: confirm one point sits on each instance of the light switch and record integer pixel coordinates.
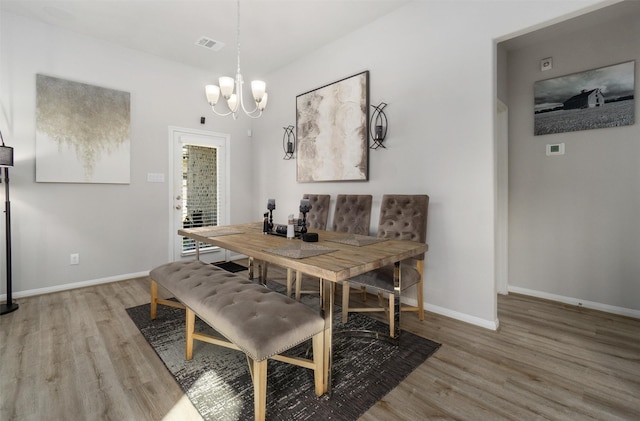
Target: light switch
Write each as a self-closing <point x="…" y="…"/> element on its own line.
<point x="153" y="177"/>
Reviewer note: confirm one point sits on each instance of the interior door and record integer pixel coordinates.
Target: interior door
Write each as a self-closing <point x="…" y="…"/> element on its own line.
<point x="199" y="189"/>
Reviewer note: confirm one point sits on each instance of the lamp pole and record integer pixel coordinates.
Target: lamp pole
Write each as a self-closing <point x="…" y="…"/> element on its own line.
<point x="6" y="156"/>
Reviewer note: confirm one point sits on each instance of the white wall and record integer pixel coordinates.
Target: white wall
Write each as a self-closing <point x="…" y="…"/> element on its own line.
<point x="118" y="230"/>
<point x="432" y="62"/>
<point x="574" y="231"/>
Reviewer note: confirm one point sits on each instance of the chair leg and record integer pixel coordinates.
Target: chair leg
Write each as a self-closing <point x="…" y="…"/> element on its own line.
<point x="298" y="285"/>
<point x="289" y="281"/>
<point x="154" y="299"/>
<point x="391" y="314"/>
<point x="345" y="301"/>
<point x="420" y="292"/>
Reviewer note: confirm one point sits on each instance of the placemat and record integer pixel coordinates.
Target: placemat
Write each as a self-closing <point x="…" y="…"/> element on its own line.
<point x="300" y="250"/>
<point x="357" y="240"/>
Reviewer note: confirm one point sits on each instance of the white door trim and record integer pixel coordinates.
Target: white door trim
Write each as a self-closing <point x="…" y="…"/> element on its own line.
<point x="174" y="134"/>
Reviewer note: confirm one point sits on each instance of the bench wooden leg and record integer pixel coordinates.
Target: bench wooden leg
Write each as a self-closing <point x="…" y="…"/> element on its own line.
<point x="154" y="299"/>
<point x="318" y="361"/>
<point x="191" y="322"/>
<point x="259" y="375"/>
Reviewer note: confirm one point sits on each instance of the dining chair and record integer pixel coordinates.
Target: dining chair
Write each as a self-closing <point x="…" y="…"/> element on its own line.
<point x="352" y="214"/>
<point x="316" y="219"/>
<point x="319" y="213"/>
<point x="402" y="217"/>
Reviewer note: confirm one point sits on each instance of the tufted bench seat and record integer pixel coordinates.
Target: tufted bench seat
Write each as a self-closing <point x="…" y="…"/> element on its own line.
<point x="251" y="318"/>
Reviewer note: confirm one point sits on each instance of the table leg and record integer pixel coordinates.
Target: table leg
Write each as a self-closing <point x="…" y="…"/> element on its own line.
<point x="251" y="263"/>
<point x="326" y="309"/>
<point x="397" y="283"/>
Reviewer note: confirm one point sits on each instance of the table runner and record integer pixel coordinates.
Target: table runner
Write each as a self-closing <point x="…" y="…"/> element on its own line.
<point x="298" y="250"/>
<point x="219" y="232"/>
<point x="357" y="240"/>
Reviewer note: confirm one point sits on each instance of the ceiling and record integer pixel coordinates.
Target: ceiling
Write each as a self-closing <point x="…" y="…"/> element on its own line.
<point x="600" y="16"/>
<point x="272" y="34"/>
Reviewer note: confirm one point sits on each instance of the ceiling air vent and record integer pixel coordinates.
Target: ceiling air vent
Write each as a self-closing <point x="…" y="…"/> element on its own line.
<point x="209" y="43"/>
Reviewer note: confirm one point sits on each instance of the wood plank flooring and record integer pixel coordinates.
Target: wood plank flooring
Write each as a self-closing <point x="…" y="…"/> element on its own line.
<point x="76" y="355"/>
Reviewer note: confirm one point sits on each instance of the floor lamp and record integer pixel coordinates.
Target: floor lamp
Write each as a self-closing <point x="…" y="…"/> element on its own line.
<point x="6" y="161"/>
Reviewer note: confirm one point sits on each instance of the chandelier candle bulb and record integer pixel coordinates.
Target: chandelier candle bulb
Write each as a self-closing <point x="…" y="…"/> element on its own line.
<point x="258" y="88"/>
<point x="213" y="94"/>
<point x="226" y="86"/>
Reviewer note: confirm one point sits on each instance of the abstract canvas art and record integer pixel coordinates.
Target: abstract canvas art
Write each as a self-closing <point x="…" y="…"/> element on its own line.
<point x="83" y="133"/>
<point x="332" y="129"/>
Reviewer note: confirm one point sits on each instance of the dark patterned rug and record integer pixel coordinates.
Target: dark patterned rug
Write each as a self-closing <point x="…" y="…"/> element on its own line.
<point x="218" y="382"/>
<point x="232" y="267"/>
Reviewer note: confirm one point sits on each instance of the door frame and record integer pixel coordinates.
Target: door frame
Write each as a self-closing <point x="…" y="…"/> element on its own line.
<point x="502" y="198"/>
<point x="175" y="133"/>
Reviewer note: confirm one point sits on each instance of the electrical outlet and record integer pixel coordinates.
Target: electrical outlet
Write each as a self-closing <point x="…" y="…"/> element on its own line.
<point x="74" y="259"/>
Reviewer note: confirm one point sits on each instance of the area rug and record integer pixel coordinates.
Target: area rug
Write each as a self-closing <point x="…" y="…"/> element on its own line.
<point x="218" y="383"/>
<point x="232" y="267"/>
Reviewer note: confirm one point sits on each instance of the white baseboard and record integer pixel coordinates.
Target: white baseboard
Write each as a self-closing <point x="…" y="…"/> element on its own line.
<point x="487" y="324"/>
<point x="66" y="287"/>
<point x="622" y="311"/>
<point x="463" y="317"/>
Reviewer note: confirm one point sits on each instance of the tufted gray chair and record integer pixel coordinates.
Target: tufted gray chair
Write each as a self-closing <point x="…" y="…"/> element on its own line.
<point x="316" y="219"/>
<point x="319" y="214"/>
<point x="352" y="213"/>
<point x="402" y="217"/>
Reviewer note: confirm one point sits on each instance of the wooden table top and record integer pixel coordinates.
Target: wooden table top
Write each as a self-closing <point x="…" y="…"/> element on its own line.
<point x="345" y="262"/>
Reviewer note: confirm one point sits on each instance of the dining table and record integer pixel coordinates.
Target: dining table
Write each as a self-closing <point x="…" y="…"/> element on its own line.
<point x="334" y="258"/>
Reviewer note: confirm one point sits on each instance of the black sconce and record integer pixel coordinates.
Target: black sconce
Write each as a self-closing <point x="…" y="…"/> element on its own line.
<point x="288" y="142"/>
<point x="378" y="125"/>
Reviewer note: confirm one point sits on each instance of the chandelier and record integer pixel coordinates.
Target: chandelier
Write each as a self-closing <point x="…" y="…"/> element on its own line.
<point x="231" y="90"/>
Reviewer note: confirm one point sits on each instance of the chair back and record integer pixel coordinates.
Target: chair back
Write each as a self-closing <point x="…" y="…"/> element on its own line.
<point x="404" y="217"/>
<point x="319" y="213"/>
<point x="353" y="213"/>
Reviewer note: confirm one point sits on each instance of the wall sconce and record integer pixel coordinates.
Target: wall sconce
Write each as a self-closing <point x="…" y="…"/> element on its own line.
<point x="288" y="142"/>
<point x="378" y="125"/>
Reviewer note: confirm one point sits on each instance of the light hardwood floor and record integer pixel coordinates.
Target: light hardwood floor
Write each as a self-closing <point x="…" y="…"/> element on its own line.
<point x="76" y="355"/>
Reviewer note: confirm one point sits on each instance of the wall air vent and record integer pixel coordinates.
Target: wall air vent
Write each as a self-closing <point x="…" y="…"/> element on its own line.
<point x="209" y="43"/>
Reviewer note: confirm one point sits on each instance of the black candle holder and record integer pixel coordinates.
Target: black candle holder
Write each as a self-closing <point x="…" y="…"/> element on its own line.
<point x="288" y="142"/>
<point x="271" y="205"/>
<point x="304" y="208"/>
<point x="265" y="223"/>
<point x="378" y="126"/>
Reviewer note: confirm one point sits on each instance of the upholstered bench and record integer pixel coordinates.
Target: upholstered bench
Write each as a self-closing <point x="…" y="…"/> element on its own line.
<point x="251" y="318"/>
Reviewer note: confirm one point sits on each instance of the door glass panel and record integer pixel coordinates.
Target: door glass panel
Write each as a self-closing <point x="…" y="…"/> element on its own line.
<point x="200" y="195"/>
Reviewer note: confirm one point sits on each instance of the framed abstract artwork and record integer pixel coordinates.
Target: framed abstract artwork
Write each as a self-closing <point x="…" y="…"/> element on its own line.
<point x="593" y="99"/>
<point x="332" y="131"/>
<point x="82" y="133"/>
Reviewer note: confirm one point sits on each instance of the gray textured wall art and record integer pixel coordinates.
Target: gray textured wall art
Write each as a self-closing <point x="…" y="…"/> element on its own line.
<point x="82" y="133"/>
<point x="331" y="124"/>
